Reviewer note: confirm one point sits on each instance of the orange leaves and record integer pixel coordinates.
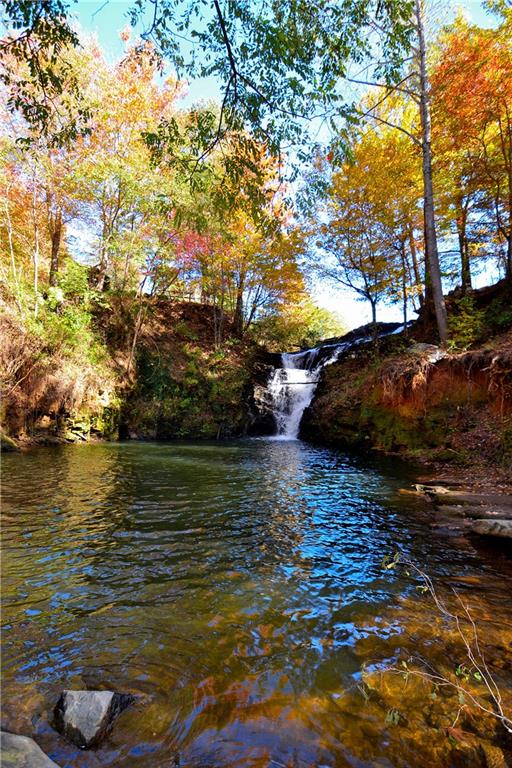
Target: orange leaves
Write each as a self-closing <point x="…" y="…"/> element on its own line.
<point x="472" y="82"/>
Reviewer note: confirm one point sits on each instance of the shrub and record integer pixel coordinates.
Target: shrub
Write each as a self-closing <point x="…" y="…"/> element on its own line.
<point x="466" y="324"/>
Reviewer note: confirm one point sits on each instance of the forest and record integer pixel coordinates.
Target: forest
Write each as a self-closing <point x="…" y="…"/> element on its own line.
<point x="115" y="195"/>
<point x="256" y="382"/>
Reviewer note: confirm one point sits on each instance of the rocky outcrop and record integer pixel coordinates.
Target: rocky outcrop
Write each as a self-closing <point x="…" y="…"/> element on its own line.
<point x="421" y="402"/>
<point x="22" y="752"/>
<point x="85" y="717"/>
<point x="257" y="398"/>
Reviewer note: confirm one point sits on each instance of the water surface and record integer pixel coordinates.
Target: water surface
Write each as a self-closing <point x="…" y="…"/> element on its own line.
<point x="237" y="587"/>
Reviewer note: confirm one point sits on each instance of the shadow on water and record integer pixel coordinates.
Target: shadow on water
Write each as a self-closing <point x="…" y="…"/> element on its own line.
<point x="236" y="586"/>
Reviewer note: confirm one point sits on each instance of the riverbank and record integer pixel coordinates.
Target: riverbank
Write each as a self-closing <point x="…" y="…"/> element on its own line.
<point x="177" y="382"/>
<point x="471" y="506"/>
<point x="425" y="404"/>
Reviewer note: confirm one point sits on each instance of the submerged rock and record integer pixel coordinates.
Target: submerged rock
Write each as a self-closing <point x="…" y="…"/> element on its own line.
<point x="22" y="752"/>
<point x="493" y="756"/>
<point x="85" y="717"/>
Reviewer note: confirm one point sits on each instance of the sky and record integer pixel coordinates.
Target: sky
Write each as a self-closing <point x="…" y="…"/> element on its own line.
<point x="107" y="18"/>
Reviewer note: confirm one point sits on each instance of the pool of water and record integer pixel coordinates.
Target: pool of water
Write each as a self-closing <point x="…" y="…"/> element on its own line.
<point x="236" y="587"/>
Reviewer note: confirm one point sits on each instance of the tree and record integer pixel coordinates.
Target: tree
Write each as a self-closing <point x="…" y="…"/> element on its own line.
<point x="41" y="81"/>
<point x="353" y="240"/>
<point x="431" y="250"/>
<point x="278" y="63"/>
<point x="372" y="218"/>
<point x="298" y="324"/>
<point x="415" y="84"/>
<point x="475" y="126"/>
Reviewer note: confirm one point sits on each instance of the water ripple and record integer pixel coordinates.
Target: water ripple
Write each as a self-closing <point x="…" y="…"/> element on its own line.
<point x="229" y="584"/>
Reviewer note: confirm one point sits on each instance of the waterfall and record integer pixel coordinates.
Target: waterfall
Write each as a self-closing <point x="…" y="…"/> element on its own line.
<point x="292" y="387"/>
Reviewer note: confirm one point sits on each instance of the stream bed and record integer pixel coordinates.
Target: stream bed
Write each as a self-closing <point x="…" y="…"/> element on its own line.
<point x="238" y="589"/>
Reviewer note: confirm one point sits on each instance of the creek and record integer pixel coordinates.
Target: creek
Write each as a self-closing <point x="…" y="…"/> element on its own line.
<point x="238" y="588"/>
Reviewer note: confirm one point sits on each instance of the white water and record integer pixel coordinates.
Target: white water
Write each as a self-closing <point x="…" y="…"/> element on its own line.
<point x="292" y="388"/>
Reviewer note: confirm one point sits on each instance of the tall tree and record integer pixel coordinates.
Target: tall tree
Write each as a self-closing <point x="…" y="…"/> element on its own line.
<point x="431" y="249"/>
<point x="414" y="83"/>
<point x="478" y="120"/>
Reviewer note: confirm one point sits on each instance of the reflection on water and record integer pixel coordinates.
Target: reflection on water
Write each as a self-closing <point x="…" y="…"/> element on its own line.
<point x="237" y="587"/>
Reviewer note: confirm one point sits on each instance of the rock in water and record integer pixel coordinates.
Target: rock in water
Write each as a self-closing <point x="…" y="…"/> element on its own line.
<point x="85" y="717"/>
<point x="22" y="752"/>
<point x="500" y="528"/>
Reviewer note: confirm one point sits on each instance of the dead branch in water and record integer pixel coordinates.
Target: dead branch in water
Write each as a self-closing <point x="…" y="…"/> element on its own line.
<point x="468" y="632"/>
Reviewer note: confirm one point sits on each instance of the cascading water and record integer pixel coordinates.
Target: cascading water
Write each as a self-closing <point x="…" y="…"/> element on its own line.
<point x="292" y="387"/>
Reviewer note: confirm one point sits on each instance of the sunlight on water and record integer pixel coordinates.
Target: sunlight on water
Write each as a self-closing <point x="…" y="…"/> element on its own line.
<point x="237" y="587"/>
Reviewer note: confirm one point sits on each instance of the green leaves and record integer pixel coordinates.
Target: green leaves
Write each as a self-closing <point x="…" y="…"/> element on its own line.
<point x="40" y="80"/>
<point x="279" y="64"/>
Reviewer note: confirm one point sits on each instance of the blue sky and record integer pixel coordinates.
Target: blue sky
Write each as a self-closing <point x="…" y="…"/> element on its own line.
<point x="107" y="18"/>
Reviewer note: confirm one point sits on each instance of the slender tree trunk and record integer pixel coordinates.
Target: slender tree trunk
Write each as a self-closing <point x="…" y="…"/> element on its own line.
<point x="404" y="283"/>
<point x="218" y="311"/>
<point x="102" y="266"/>
<point x="373" y="304"/>
<point x="35" y="252"/>
<point x="509" y="236"/>
<point x="434" y="284"/>
<point x="12" y="254"/>
<point x="238" y="319"/>
<point x="106" y="233"/>
<point x="465" y="267"/>
<point x="415" y="263"/>
<point x="56" y="237"/>
<point x="139" y="322"/>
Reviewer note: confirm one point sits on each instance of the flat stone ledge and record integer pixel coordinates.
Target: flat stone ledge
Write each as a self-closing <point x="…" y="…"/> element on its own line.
<point x="501" y="529"/>
<point x="22" y="752"/>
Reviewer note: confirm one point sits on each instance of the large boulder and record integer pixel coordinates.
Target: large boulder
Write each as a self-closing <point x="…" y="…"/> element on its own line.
<point x="85" y="717"/>
<point x="22" y="752"/>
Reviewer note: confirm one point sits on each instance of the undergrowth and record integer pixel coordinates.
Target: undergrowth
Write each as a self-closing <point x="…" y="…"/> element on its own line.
<point x="52" y="357"/>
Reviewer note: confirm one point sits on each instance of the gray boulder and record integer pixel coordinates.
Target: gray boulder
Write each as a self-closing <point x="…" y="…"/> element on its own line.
<point x="499" y="528"/>
<point x="22" y="752"/>
<point x="85" y="717"/>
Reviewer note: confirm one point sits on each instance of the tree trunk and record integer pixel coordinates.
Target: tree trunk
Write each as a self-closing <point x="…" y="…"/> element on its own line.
<point x="238" y="318"/>
<point x="415" y="264"/>
<point x="374" y="318"/>
<point x="56" y="236"/>
<point x="434" y="285"/>
<point x="35" y="252"/>
<point x="139" y="322"/>
<point x="101" y="271"/>
<point x="404" y="284"/>
<point x="465" y="267"/>
<point x="509" y="255"/>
